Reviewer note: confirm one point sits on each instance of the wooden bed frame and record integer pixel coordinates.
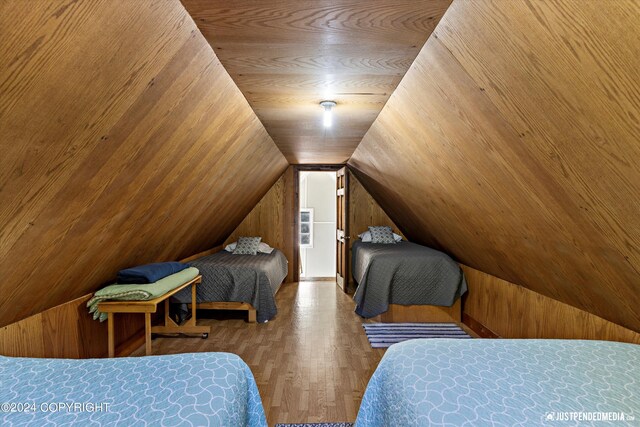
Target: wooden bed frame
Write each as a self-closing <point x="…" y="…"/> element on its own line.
<point x="421" y="313"/>
<point x="230" y="305"/>
<point x="225" y="305"/>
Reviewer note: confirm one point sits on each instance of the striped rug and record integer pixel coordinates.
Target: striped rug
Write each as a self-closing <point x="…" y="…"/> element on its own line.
<point x="382" y="335"/>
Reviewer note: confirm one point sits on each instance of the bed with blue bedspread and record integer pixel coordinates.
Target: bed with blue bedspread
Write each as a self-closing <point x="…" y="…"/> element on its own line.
<point x="443" y="382"/>
<point x="203" y="389"/>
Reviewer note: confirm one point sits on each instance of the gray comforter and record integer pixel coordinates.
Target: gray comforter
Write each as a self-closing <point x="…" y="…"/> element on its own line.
<point x="403" y="273"/>
<point x="252" y="279"/>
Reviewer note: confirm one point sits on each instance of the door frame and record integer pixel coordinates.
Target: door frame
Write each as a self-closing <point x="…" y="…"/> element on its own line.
<point x="296" y="207"/>
<point x="343" y="242"/>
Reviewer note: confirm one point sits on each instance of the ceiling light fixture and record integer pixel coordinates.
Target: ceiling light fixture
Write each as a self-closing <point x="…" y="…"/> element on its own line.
<point x="327" y="118"/>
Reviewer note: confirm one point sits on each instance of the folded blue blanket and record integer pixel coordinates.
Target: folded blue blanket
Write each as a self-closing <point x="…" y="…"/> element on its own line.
<point x="149" y="273"/>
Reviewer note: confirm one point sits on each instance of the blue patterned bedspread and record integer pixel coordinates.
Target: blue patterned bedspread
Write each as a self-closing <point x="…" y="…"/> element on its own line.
<point x="443" y="382"/>
<point x="204" y="389"/>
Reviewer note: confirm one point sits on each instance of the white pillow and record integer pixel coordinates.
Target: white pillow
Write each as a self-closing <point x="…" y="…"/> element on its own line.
<point x="366" y="237"/>
<point x="263" y="248"/>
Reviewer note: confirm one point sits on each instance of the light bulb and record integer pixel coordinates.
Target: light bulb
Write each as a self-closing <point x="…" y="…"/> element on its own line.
<point x="327" y="118"/>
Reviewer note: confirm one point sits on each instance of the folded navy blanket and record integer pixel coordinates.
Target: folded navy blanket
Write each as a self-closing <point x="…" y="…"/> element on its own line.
<point x="149" y="273"/>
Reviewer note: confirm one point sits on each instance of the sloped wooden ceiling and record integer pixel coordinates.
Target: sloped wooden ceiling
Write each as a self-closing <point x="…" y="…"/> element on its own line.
<point x="123" y="140"/>
<point x="288" y="55"/>
<point x="512" y="143"/>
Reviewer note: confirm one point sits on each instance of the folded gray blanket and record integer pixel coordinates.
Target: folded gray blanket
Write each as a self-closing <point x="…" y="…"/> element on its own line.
<point x="139" y="292"/>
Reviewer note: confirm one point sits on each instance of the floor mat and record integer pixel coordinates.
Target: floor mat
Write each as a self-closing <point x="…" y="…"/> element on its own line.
<point x="382" y="335"/>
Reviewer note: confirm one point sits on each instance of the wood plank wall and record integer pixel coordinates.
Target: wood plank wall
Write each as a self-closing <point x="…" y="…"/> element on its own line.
<point x="69" y="331"/>
<point x="273" y="219"/>
<point x="512" y="144"/>
<point x="365" y="211"/>
<point x="124" y="141"/>
<point x="512" y="311"/>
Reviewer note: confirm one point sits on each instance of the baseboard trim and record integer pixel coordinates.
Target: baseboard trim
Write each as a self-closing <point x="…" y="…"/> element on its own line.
<point x="318" y="279"/>
<point x="130" y="345"/>
<point x="477" y="327"/>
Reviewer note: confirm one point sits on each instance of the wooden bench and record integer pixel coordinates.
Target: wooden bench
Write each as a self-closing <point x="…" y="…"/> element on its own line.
<point x="151" y="306"/>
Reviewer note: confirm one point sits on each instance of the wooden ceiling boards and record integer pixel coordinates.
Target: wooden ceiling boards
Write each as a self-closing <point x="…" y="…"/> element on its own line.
<point x="287" y="56"/>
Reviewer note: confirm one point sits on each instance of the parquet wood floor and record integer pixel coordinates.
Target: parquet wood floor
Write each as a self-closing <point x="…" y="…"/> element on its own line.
<point x="312" y="362"/>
